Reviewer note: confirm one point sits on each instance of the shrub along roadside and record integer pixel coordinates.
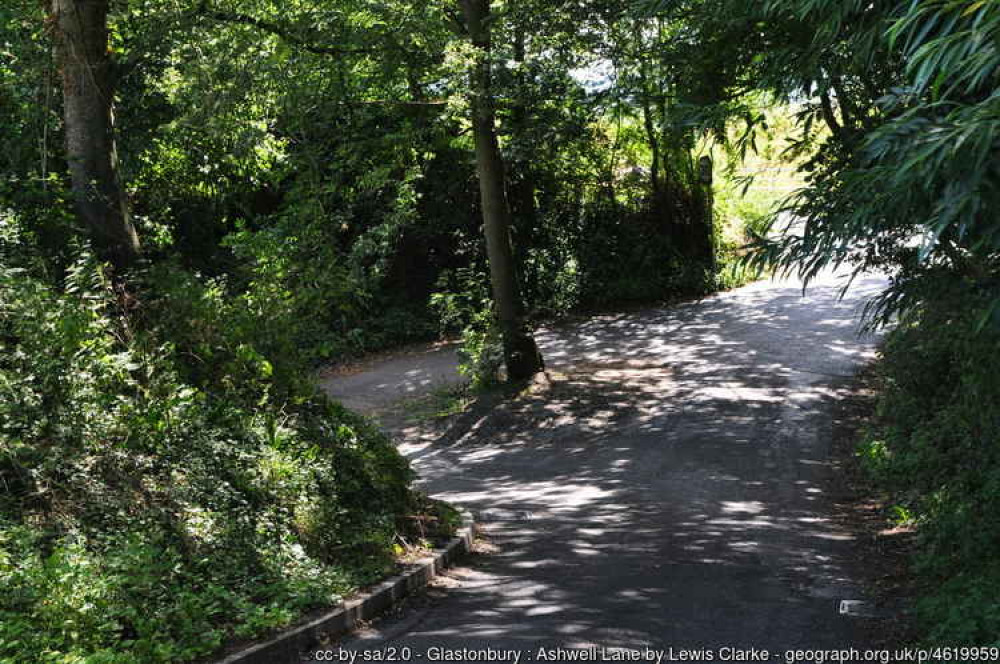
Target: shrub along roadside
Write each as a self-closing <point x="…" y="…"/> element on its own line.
<point x="935" y="446"/>
<point x="159" y="498"/>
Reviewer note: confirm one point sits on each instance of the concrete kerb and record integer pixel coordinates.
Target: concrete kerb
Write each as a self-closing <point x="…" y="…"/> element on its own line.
<point x="289" y="646"/>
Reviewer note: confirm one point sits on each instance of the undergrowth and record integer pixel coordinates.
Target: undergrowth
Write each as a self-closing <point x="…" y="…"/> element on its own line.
<point x="935" y="446"/>
<point x="168" y="479"/>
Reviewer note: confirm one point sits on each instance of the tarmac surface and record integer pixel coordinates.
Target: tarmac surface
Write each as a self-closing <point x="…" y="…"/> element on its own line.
<point x="665" y="487"/>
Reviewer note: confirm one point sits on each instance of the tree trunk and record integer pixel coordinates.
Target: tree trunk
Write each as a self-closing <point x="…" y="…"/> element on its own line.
<point x="81" y="35"/>
<point x="649" y="125"/>
<point x="520" y="351"/>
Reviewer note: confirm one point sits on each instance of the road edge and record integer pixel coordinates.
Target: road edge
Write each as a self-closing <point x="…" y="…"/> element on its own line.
<point x="288" y="646"/>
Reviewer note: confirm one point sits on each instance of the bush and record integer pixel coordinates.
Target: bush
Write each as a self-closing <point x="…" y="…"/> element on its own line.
<point x="657" y="249"/>
<point x="481" y="356"/>
<point x="463" y="303"/>
<point x="159" y="498"/>
<point x="936" y="447"/>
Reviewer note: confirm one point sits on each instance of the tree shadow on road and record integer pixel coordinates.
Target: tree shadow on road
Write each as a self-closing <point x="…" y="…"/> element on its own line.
<point x="665" y="484"/>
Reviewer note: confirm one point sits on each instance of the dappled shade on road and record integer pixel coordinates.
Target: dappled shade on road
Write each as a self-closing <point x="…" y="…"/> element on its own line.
<point x="666" y="484"/>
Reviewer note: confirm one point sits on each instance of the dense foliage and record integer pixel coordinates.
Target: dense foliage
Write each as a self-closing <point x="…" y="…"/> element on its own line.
<point x="347" y="176"/>
<point x="934" y="446"/>
<point x="165" y="486"/>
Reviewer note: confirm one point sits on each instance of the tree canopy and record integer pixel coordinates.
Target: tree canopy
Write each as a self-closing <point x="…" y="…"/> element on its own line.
<point x="204" y="201"/>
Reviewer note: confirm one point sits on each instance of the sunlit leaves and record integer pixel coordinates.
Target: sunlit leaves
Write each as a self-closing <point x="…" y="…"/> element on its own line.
<point x="951" y="46"/>
<point x="909" y="183"/>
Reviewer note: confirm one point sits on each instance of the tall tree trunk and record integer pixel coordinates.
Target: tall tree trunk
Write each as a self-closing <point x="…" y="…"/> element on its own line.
<point x="520" y="351"/>
<point x="81" y="32"/>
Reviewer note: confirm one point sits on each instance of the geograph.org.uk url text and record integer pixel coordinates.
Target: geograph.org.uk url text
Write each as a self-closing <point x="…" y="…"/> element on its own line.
<point x="659" y="655"/>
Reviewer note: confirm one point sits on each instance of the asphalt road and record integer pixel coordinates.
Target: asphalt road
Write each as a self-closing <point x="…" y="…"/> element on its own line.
<point x="667" y="488"/>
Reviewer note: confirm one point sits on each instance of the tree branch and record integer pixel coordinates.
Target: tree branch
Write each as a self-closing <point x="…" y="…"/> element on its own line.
<point x="847" y="110"/>
<point x="391" y="102"/>
<point x="278" y="30"/>
<point x="831" y="120"/>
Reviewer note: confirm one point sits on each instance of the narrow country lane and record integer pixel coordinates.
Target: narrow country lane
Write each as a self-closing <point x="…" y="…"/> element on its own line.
<point x="667" y="488"/>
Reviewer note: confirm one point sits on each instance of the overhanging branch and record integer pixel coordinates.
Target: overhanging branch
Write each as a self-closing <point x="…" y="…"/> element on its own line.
<point x="278" y="30"/>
